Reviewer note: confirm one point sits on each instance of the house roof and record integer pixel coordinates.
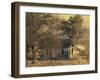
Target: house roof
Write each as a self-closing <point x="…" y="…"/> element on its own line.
<point x="63" y="43"/>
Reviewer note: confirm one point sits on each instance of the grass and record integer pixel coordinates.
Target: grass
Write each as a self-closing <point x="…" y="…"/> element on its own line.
<point x="74" y="61"/>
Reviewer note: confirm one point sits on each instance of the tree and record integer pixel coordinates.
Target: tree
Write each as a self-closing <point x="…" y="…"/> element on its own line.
<point x="73" y="28"/>
<point x="42" y="31"/>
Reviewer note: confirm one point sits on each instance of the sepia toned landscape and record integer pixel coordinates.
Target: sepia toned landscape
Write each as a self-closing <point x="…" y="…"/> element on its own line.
<point x="56" y="39"/>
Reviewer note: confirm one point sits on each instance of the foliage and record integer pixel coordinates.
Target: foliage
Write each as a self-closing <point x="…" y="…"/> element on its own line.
<point x="41" y="30"/>
<point x="44" y="29"/>
<point x="73" y="28"/>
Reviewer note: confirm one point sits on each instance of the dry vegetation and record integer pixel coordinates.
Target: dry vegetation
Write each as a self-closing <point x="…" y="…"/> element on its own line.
<point x="80" y="61"/>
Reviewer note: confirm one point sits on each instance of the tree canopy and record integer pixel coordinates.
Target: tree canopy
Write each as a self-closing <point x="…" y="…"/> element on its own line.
<point x="44" y="29"/>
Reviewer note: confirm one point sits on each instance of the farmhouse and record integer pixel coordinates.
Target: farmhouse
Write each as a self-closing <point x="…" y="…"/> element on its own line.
<point x="61" y="52"/>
